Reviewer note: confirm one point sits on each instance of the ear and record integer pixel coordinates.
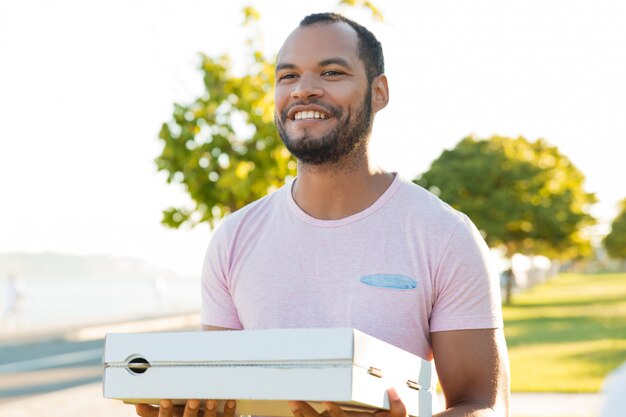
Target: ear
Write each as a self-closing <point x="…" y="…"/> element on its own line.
<point x="380" y="93"/>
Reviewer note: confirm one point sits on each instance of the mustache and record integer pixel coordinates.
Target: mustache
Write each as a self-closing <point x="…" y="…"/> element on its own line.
<point x="332" y="110"/>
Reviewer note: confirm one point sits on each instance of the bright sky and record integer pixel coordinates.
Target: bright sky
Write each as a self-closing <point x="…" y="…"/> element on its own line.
<point x="85" y="86"/>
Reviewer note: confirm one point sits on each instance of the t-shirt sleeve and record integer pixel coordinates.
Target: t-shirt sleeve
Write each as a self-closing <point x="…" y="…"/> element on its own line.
<point x="218" y="307"/>
<point x="467" y="290"/>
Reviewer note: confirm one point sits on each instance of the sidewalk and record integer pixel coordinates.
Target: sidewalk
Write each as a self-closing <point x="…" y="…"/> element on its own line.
<point x="180" y="321"/>
<point x="73" y="402"/>
<point x="87" y="401"/>
<point x="556" y="405"/>
<point x="23" y="383"/>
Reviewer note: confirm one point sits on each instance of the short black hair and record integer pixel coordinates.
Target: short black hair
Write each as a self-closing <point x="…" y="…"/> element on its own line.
<point x="370" y="49"/>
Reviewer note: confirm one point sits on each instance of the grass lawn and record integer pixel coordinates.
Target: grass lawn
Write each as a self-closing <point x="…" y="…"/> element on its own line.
<point x="566" y="335"/>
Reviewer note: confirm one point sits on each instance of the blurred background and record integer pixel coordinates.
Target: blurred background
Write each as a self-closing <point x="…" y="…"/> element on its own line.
<point x="129" y="129"/>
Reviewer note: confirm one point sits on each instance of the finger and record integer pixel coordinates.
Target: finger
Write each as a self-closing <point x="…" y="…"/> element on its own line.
<point x="230" y="407"/>
<point x="191" y="408"/>
<point x="295" y="408"/>
<point x="210" y="408"/>
<point x="146" y="410"/>
<point x="166" y="408"/>
<point x="303" y="408"/>
<point x="334" y="410"/>
<point x="396" y="406"/>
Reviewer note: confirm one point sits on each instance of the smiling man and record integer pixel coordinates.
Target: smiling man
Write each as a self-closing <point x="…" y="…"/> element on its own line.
<point x="323" y="108"/>
<point x="347" y="244"/>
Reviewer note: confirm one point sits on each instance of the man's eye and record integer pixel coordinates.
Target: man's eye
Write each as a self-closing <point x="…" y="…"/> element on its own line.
<point x="331" y="73"/>
<point x="287" y="76"/>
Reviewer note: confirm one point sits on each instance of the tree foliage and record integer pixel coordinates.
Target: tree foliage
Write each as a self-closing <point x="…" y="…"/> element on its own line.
<point x="223" y="147"/>
<point x="376" y="13"/>
<point x="524" y="196"/>
<point x="615" y="241"/>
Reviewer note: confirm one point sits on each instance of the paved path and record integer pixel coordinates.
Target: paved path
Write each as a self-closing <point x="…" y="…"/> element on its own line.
<point x="556" y="405"/>
<point x="48" y="365"/>
<point x="36" y="364"/>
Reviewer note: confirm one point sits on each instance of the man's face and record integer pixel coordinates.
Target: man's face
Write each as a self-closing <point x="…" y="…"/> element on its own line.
<point x="323" y="99"/>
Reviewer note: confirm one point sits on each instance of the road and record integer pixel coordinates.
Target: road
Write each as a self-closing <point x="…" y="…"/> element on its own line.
<point x="48" y="365"/>
<point x="41" y="364"/>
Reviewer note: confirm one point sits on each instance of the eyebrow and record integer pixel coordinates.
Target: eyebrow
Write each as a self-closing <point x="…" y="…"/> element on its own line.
<point x="284" y="66"/>
<point x="326" y="62"/>
<point x="337" y="61"/>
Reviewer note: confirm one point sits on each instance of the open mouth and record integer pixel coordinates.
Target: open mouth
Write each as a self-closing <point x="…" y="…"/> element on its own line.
<point x="306" y="115"/>
<point x="308" y="112"/>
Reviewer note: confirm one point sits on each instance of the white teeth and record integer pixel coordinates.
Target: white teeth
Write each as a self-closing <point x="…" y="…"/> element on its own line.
<point x="309" y="115"/>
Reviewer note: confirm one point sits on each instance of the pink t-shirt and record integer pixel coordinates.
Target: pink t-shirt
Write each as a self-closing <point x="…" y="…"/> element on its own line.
<point x="406" y="266"/>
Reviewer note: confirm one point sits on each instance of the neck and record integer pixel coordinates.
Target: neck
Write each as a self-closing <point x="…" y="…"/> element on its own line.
<point x="332" y="192"/>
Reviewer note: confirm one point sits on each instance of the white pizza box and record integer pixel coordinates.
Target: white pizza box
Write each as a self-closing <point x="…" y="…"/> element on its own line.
<point x="263" y="369"/>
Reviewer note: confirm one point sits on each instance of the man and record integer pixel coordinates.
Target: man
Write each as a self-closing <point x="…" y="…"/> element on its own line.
<point x="349" y="245"/>
<point x="10" y="309"/>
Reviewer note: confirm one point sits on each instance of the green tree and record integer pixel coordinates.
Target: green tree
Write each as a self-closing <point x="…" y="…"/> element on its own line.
<point x="223" y="147"/>
<point x="524" y="196"/>
<point x="615" y="241"/>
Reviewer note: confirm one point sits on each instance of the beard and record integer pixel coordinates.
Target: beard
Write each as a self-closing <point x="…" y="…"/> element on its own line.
<point x="348" y="137"/>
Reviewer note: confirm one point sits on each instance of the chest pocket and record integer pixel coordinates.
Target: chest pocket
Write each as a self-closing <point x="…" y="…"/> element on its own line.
<point x="389" y="281"/>
<point x="388" y="306"/>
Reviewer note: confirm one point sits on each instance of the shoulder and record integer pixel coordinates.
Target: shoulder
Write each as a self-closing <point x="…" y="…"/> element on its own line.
<point x="442" y="229"/>
<point x="253" y="213"/>
<point x="426" y="207"/>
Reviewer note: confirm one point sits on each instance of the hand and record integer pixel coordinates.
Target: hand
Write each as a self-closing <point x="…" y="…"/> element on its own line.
<point x="397" y="409"/>
<point x="190" y="409"/>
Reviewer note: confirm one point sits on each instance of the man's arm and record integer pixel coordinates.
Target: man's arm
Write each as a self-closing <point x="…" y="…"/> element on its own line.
<point x="473" y="370"/>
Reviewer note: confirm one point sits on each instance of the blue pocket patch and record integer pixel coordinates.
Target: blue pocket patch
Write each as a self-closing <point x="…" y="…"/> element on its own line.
<point x="393" y="281"/>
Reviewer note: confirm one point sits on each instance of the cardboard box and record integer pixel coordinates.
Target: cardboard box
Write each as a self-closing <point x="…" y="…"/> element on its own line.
<point x="263" y="369"/>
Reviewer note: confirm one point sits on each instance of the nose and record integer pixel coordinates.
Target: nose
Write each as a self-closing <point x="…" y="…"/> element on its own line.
<point x="306" y="87"/>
